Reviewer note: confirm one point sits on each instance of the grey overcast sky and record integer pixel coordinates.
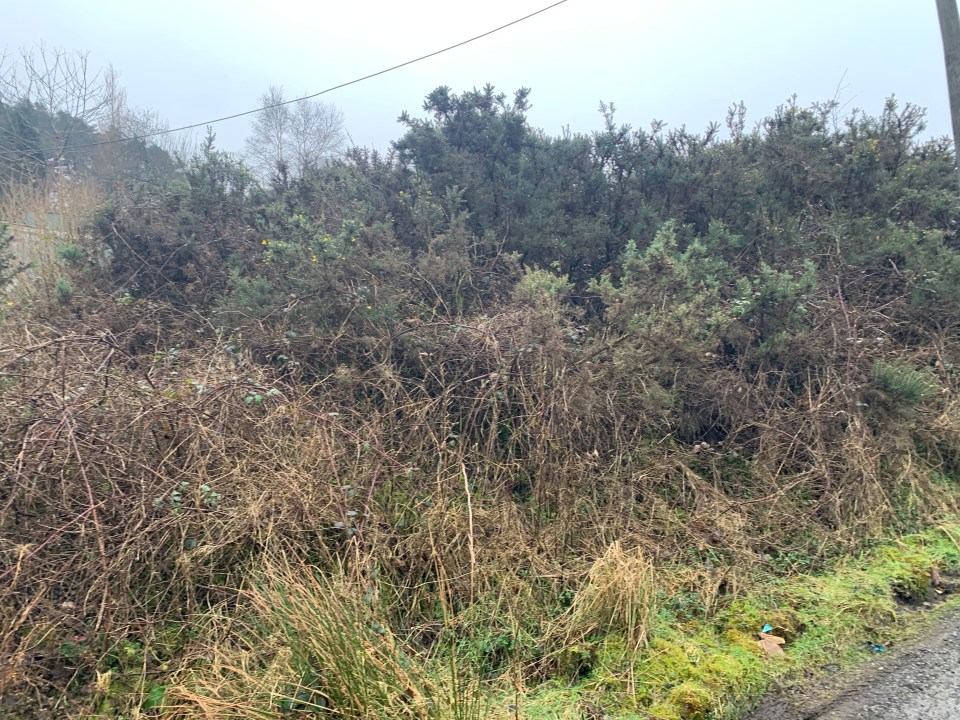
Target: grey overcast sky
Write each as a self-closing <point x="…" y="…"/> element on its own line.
<point x="681" y="61"/>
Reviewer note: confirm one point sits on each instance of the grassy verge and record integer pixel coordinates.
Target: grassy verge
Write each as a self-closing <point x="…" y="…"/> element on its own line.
<point x="708" y="667"/>
<point x="306" y="645"/>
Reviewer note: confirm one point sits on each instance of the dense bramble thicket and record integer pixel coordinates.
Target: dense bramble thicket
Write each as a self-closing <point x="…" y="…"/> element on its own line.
<point x="453" y="378"/>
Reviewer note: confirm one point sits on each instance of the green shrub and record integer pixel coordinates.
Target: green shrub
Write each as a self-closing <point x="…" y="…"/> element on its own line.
<point x="537" y="286"/>
<point x="64" y="291"/>
<point x="903" y="383"/>
<point x="71" y="253"/>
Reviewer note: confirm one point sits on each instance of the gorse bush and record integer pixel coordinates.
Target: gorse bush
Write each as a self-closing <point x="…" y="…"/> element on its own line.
<point x="64" y="291"/>
<point x="903" y="383"/>
<point x="71" y="254"/>
<point x="475" y="415"/>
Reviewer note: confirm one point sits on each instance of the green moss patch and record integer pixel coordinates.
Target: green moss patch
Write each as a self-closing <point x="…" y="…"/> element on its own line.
<point x="708" y="668"/>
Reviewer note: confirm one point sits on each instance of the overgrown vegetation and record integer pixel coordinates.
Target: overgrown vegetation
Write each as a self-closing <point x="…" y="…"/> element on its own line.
<point x="494" y="424"/>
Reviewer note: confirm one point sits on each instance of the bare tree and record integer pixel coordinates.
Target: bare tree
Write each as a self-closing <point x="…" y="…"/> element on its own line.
<point x="61" y="84"/>
<point x="270" y="130"/>
<point x="291" y="138"/>
<point x="61" y="121"/>
<point x="123" y="121"/>
<point x="316" y="133"/>
<point x="950" y="31"/>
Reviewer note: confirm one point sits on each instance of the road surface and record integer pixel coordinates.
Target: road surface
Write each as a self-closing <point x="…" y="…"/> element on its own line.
<point x="920" y="681"/>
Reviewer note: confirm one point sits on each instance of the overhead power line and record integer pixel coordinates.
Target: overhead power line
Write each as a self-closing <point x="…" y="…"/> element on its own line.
<point x="234" y="116"/>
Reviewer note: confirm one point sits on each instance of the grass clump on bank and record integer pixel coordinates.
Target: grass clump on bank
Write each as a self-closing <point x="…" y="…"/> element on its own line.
<point x="311" y="645"/>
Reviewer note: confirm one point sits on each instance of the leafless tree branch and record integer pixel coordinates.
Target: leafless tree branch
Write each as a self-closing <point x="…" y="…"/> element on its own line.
<point x="292" y="138"/>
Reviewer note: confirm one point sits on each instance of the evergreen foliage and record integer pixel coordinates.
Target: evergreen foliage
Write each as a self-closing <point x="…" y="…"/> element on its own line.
<point x="35" y="146"/>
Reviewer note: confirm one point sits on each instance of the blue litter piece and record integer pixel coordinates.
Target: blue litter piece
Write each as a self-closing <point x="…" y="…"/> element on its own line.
<point x="767" y="628"/>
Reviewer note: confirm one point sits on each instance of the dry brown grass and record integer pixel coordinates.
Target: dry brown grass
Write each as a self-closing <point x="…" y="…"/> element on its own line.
<point x="157" y="477"/>
<point x="305" y="641"/>
<point x="42" y="216"/>
<point x="618" y="597"/>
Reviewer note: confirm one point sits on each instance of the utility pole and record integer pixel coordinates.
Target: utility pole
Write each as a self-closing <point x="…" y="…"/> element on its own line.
<point x="950" y="31"/>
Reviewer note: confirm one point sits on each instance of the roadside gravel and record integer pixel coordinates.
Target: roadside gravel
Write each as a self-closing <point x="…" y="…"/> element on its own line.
<point x="918" y="681"/>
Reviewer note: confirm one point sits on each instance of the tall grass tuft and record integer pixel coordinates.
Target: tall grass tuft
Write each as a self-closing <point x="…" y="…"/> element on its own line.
<point x="618" y="597"/>
<point x="317" y="643"/>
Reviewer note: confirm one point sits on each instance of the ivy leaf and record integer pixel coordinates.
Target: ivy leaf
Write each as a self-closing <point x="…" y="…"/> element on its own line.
<point x="155" y="697"/>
